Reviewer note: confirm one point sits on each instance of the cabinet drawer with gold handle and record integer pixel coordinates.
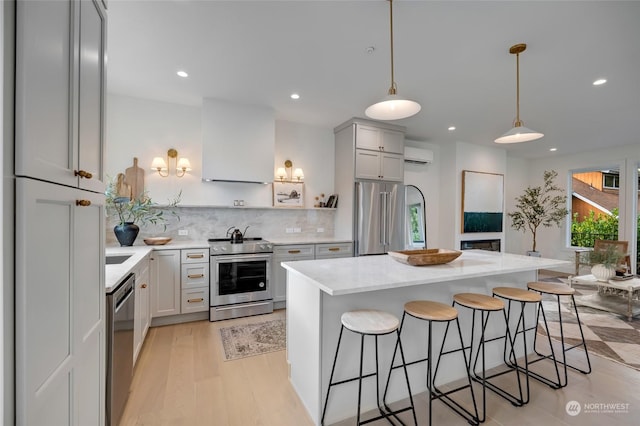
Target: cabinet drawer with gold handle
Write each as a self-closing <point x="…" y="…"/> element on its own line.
<point x="195" y="255"/>
<point x="195" y="275"/>
<point x="293" y="250"/>
<point x="195" y="300"/>
<point x="329" y="250"/>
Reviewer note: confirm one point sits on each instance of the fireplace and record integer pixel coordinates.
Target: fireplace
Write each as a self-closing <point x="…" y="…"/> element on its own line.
<point x="490" y="245"/>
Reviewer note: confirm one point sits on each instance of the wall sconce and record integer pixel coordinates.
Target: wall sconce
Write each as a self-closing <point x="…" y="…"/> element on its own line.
<point x="283" y="173"/>
<point x="182" y="165"/>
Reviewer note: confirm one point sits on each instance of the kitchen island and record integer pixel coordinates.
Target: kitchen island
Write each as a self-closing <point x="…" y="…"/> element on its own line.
<point x="320" y="291"/>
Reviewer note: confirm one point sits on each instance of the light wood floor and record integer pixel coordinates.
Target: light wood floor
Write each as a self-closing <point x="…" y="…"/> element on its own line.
<point x="182" y="379"/>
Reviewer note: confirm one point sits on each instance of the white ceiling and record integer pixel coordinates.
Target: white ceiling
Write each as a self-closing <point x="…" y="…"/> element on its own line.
<point x="450" y="56"/>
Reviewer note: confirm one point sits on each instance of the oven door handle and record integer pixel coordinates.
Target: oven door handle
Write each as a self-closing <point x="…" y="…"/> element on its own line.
<point x="241" y="257"/>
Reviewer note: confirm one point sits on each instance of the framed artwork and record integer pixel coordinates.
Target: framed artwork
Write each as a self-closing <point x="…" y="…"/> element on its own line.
<point x="482" y="201"/>
<point x="288" y="194"/>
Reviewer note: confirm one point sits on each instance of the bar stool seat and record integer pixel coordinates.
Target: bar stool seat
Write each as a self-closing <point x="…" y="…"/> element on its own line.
<point x="558" y="290"/>
<point x="430" y="311"/>
<point x="478" y="301"/>
<point x="375" y="323"/>
<point x="486" y="305"/>
<point x="369" y="321"/>
<point x="434" y="312"/>
<point x="517" y="294"/>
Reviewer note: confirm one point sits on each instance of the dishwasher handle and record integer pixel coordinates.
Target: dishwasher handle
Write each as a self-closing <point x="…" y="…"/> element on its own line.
<point x="124" y="299"/>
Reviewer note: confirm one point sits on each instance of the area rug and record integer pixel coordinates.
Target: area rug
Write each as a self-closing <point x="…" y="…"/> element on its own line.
<point x="240" y="341"/>
<point x="607" y="334"/>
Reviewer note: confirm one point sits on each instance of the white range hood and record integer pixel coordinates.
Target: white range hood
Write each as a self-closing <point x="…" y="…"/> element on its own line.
<point x="238" y="142"/>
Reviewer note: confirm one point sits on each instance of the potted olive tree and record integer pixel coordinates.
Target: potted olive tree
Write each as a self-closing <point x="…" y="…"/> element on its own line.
<point x="539" y="205"/>
<point x="129" y="213"/>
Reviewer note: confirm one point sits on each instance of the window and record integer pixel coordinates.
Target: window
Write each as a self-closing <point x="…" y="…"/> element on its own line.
<point x="416" y="225"/>
<point x="610" y="180"/>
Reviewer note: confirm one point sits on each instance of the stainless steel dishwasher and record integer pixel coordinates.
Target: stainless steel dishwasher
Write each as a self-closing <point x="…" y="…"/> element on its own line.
<point x="120" y="314"/>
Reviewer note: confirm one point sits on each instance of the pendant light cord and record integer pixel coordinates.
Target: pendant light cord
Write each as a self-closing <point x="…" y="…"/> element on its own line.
<point x="518" y="123"/>
<point x="392" y="88"/>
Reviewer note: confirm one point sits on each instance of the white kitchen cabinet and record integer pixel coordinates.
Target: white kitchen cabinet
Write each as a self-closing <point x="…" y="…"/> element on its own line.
<point x="379" y="139"/>
<point x="59" y="305"/>
<point x="331" y="250"/>
<point x="60" y="91"/>
<point x="142" y="315"/>
<point x="279" y="274"/>
<point x="165" y="283"/>
<point x="379" y="165"/>
<point x="195" y="280"/>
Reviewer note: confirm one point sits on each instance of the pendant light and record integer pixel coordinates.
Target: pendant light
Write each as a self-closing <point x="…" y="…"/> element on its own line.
<point x="519" y="133"/>
<point x="392" y="107"/>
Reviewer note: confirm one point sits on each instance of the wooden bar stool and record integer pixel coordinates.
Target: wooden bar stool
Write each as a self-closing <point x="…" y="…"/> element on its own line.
<point x="557" y="290"/>
<point x="431" y="312"/>
<point x="524" y="297"/>
<point x="486" y="305"/>
<point x="368" y="322"/>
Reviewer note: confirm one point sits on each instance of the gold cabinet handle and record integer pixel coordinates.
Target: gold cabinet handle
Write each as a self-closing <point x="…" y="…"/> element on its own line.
<point x="143" y="286"/>
<point x="199" y="299"/>
<point x="83" y="174"/>
<point x="196" y="276"/>
<point x="195" y="256"/>
<point x="294" y="251"/>
<point x="83" y="203"/>
<point x="334" y="249"/>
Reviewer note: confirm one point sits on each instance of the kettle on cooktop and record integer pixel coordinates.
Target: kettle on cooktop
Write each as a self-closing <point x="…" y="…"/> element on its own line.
<point x="236" y="236"/>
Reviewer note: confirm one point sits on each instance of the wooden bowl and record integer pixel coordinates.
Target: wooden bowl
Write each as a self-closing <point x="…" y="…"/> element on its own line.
<point x="425" y="257"/>
<point x="156" y="241"/>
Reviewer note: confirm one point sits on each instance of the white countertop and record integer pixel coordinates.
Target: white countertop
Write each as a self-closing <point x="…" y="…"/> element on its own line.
<point x="114" y="274"/>
<point x="369" y="273"/>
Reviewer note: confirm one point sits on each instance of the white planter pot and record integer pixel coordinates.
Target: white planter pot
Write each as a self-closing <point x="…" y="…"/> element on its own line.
<point x="603" y="273"/>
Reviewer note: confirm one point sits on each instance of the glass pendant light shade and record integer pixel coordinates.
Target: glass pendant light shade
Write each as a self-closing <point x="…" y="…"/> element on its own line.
<point x="392" y="107"/>
<point x="519" y="134"/>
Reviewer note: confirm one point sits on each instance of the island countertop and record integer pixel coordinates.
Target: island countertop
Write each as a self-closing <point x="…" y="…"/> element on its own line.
<point x="379" y="272"/>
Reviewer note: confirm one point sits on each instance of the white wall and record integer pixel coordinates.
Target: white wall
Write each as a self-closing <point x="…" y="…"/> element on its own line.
<point x="145" y="129"/>
<point x="427" y="178"/>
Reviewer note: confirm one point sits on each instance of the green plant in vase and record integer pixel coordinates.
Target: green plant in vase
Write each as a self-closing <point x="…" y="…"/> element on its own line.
<point x="130" y="214"/>
<point x="604" y="262"/>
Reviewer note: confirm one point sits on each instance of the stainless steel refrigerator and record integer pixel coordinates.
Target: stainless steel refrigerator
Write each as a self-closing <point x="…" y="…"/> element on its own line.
<point x="379" y="217"/>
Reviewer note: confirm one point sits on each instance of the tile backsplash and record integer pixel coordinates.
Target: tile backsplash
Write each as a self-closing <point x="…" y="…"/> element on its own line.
<point x="202" y="223"/>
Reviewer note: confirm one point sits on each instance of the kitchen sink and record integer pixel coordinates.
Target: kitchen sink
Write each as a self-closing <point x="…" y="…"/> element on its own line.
<point x="116" y="259"/>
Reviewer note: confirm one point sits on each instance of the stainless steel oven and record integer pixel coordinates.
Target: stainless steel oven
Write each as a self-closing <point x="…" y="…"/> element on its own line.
<point x="240" y="275"/>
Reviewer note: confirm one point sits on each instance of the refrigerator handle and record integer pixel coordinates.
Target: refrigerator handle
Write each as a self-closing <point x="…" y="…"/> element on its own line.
<point x="385" y="218"/>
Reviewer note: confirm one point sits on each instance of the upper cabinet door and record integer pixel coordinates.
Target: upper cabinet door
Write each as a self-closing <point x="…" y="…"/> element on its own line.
<point x="60" y="51"/>
<point x="91" y="116"/>
<point x="45" y="89"/>
<point x="367" y="138"/>
<point x="392" y="141"/>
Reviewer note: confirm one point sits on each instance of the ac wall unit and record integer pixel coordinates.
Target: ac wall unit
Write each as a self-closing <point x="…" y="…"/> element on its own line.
<point x="417" y="155"/>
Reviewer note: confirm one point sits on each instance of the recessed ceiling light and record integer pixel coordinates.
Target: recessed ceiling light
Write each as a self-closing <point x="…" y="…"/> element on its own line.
<point x="600" y="82"/>
<point x="182" y="74"/>
<point x="452" y="128"/>
<point x="553" y="149"/>
<point x="295" y="96"/>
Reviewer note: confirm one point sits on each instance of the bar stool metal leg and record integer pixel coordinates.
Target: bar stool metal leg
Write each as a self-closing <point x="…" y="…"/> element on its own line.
<point x="558" y="290"/>
<point x="365" y="323"/>
<point x="434" y="311"/>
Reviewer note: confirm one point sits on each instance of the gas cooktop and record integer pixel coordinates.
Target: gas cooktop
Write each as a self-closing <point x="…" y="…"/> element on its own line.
<point x="220" y="246"/>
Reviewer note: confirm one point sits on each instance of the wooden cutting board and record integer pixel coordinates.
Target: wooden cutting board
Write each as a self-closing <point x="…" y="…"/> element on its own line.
<point x="134" y="176"/>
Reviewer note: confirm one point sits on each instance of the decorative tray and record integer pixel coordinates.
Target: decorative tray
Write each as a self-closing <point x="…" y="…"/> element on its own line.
<point x="156" y="241"/>
<point x="425" y="257"/>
